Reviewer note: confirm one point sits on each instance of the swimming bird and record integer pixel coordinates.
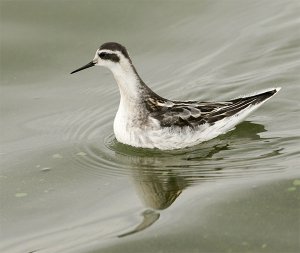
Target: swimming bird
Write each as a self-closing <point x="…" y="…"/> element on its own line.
<point x="145" y="119"/>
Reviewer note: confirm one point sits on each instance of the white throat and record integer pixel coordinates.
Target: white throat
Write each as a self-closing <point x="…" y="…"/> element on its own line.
<point x="128" y="82"/>
<point x="130" y="98"/>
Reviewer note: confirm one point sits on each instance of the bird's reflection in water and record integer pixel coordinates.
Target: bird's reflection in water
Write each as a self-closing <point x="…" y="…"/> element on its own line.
<point x="161" y="177"/>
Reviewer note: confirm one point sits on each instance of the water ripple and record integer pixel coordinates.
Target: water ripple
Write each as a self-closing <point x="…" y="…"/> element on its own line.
<point x="238" y="153"/>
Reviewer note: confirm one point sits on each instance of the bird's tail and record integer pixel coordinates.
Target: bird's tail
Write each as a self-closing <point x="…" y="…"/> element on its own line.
<point x="257" y="97"/>
<point x="236" y="110"/>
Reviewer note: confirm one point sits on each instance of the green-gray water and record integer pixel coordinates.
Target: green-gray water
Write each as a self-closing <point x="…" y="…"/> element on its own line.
<point x="68" y="186"/>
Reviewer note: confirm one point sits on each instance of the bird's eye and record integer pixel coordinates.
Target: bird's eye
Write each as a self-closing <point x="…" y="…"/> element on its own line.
<point x="109" y="56"/>
<point x="103" y="55"/>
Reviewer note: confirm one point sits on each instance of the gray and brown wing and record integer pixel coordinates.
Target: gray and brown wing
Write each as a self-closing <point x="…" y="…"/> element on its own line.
<point x="194" y="113"/>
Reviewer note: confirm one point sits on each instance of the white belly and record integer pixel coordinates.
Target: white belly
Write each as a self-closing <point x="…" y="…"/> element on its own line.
<point x="129" y="132"/>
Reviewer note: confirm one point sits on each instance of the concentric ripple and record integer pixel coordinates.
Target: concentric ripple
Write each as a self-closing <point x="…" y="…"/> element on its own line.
<point x="237" y="153"/>
<point x="91" y="147"/>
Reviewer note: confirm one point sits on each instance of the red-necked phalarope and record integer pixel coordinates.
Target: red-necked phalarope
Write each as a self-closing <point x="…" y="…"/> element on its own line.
<point x="145" y="119"/>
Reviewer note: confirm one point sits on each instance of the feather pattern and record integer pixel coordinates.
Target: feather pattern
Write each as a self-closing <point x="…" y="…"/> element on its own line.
<point x="145" y="119"/>
<point x="194" y="113"/>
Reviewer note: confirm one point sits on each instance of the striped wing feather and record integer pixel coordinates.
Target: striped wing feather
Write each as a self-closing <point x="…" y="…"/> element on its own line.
<point x="194" y="113"/>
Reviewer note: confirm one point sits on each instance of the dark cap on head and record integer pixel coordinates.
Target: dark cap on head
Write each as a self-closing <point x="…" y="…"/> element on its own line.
<point x="114" y="46"/>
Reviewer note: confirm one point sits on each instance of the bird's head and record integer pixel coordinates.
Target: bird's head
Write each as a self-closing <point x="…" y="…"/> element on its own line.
<point x="111" y="55"/>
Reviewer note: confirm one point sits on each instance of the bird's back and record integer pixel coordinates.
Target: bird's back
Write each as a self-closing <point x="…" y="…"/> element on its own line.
<point x="195" y="113"/>
<point x="174" y="124"/>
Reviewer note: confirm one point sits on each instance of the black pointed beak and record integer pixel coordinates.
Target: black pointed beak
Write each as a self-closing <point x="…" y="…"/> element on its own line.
<point x="90" y="64"/>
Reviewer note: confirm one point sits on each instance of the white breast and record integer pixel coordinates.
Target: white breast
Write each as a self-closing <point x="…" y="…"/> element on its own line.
<point x="153" y="136"/>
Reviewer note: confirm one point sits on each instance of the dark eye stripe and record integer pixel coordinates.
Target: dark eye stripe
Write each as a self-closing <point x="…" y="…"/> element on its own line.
<point x="111" y="57"/>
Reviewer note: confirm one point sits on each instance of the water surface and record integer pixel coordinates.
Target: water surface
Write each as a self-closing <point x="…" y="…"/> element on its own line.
<point x="67" y="185"/>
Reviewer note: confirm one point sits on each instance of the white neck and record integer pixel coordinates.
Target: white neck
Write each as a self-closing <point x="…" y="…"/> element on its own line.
<point x="128" y="82"/>
<point x="129" y="108"/>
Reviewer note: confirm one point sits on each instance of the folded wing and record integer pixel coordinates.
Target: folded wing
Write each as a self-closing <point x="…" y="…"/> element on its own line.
<point x="194" y="113"/>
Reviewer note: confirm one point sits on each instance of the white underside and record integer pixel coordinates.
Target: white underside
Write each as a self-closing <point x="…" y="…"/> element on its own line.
<point x="174" y="138"/>
<point x="167" y="138"/>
